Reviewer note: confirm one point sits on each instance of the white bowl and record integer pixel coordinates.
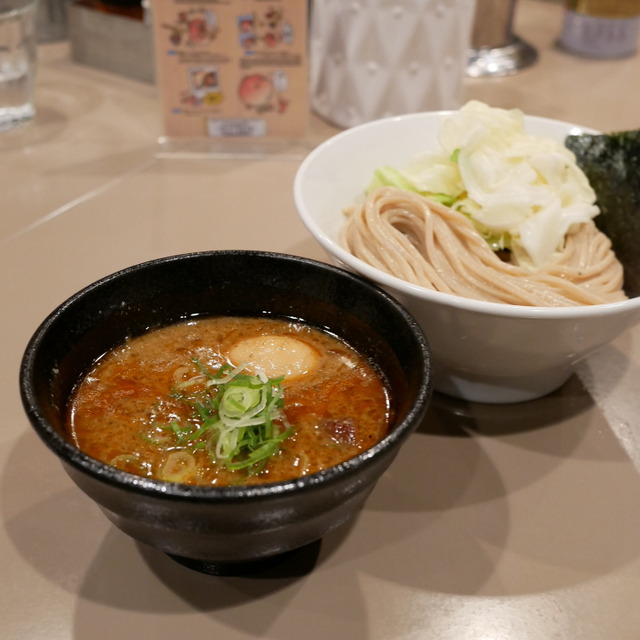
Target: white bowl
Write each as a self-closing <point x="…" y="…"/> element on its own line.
<point x="483" y="351"/>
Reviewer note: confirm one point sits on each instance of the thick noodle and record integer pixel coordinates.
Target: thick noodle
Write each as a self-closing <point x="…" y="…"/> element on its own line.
<point x="434" y="246"/>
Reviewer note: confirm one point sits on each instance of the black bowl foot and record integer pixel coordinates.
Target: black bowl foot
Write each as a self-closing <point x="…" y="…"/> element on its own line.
<point x="297" y="562"/>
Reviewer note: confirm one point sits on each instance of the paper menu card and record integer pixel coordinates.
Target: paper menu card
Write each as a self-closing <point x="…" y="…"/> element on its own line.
<point x="232" y="68"/>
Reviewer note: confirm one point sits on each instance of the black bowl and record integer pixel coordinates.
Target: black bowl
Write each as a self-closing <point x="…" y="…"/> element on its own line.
<point x="225" y="526"/>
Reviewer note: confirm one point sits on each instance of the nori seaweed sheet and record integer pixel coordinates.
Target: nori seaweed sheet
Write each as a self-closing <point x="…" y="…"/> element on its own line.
<point x="611" y="162"/>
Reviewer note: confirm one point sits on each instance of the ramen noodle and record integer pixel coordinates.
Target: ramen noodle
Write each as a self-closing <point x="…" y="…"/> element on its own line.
<point x="434" y="246"/>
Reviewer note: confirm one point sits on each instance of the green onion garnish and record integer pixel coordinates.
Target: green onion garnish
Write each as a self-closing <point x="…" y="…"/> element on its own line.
<point x="236" y="417"/>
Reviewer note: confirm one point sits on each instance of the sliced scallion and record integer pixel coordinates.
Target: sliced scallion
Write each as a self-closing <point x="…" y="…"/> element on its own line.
<point x="238" y="418"/>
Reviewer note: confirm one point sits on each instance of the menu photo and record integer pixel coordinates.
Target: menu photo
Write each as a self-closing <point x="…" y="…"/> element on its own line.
<point x="232" y="68"/>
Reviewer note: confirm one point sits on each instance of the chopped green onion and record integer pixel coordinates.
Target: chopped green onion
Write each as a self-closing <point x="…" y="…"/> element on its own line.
<point x="179" y="467"/>
<point x="238" y="418"/>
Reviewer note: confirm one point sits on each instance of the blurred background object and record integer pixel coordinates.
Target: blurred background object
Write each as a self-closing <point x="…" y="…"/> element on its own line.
<point x="601" y="28"/>
<point x="52" y="20"/>
<point x="375" y="58"/>
<point x="113" y="36"/>
<point x="18" y="61"/>
<point x="495" y="49"/>
<point x="53" y="15"/>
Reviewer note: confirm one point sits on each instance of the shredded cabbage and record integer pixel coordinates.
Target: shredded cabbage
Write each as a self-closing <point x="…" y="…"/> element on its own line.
<point x="522" y="192"/>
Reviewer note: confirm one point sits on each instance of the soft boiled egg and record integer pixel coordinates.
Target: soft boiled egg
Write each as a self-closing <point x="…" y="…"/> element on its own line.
<point x="275" y="355"/>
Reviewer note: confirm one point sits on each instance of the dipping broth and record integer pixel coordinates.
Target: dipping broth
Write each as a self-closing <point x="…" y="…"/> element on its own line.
<point x="167" y="404"/>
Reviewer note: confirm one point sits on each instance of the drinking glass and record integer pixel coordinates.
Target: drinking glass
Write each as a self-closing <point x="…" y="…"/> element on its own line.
<point x="18" y="59"/>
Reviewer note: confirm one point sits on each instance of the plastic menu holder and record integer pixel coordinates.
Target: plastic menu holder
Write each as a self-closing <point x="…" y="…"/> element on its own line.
<point x="232" y="76"/>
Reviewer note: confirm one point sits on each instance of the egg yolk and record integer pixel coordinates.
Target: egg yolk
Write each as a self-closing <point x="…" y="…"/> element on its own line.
<point x="275" y="355"/>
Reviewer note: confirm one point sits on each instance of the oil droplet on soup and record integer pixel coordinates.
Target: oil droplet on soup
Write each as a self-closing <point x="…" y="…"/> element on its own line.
<point x="129" y="410"/>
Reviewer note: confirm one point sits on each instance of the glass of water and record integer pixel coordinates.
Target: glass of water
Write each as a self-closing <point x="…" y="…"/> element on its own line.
<point x="18" y="55"/>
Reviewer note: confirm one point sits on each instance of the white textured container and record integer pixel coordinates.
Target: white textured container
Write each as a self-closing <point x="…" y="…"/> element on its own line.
<point x="375" y="58"/>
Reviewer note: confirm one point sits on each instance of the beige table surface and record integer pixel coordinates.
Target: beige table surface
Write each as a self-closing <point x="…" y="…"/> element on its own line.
<point x="494" y="523"/>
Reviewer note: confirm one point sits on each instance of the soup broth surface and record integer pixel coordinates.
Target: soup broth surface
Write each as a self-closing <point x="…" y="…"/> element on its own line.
<point x="129" y="410"/>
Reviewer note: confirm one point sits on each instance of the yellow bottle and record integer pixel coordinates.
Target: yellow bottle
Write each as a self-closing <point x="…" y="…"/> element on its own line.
<point x="601" y="28"/>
